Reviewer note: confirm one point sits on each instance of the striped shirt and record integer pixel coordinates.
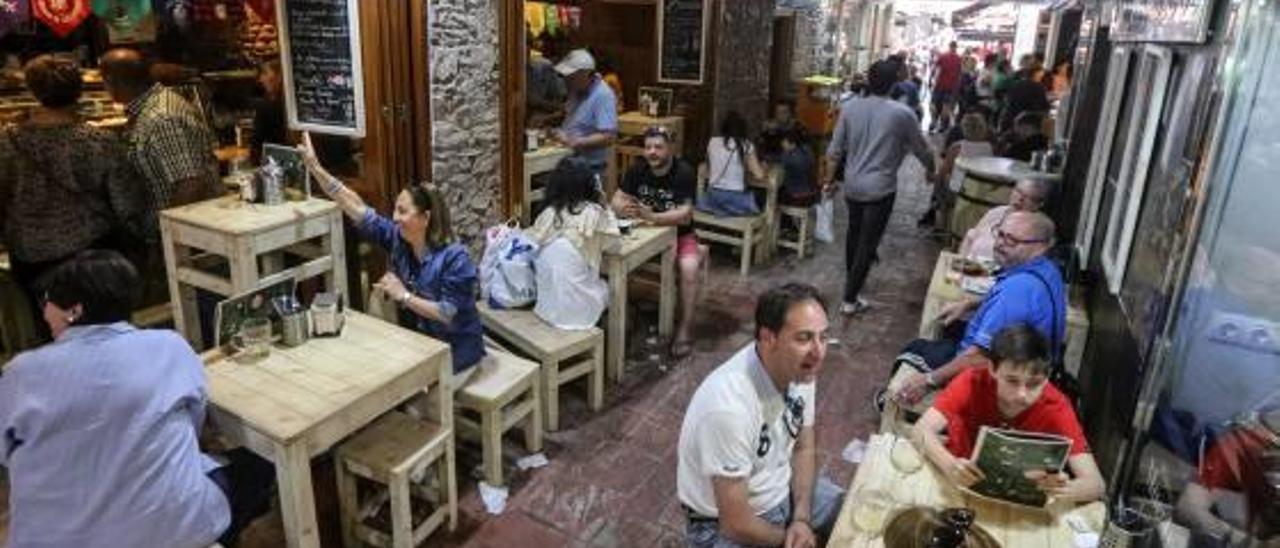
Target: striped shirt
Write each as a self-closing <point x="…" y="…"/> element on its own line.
<point x="170" y="143"/>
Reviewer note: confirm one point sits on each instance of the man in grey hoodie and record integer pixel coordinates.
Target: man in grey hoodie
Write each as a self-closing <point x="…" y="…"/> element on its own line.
<point x="872" y="137"/>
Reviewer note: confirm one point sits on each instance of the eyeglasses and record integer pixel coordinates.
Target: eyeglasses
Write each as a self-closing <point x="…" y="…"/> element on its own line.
<point x="795" y="415"/>
<point x="1009" y="239"/>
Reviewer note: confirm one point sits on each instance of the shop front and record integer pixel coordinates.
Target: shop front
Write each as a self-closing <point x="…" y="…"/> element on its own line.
<point x="1176" y="236"/>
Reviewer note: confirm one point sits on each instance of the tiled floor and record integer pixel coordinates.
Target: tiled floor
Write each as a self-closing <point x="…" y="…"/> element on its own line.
<point x="611" y="477"/>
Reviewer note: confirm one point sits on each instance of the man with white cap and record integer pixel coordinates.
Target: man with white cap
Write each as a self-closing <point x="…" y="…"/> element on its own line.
<point x="591" y="115"/>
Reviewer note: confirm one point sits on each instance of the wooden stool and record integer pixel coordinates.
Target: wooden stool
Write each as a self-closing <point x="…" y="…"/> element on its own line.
<point x="565" y="355"/>
<point x="503" y="391"/>
<point x="803" y="217"/>
<point x="396" y="451"/>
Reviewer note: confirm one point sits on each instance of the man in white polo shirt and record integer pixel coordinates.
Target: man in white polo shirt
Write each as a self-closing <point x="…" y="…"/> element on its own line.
<point x="747" y="465"/>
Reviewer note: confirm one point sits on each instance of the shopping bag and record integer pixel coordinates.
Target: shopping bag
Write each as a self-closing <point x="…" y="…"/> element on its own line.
<point x="506" y="269"/>
<point x="824" y="229"/>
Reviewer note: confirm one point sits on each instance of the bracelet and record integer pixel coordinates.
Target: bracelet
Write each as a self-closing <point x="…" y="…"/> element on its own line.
<point x="929" y="380"/>
<point x="802" y="520"/>
<point x="334" y="184"/>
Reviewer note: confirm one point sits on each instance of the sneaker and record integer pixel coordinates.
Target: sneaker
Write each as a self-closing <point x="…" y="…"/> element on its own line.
<point x="858" y="306"/>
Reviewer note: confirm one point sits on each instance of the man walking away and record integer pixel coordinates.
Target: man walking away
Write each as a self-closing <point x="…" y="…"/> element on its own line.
<point x="873" y="135"/>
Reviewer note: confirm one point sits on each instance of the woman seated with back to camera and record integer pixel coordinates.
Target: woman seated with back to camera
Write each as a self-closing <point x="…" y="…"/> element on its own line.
<point x="1014" y="393"/>
<point x="100" y="428"/>
<point x="431" y="278"/>
<point x="572" y="232"/>
<point x="730" y="159"/>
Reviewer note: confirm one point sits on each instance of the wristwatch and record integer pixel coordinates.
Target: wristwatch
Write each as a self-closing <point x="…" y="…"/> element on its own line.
<point x="404" y="299"/>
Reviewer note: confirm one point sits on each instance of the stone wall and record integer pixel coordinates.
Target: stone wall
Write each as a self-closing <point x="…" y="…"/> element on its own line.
<point x="743" y="55"/>
<point x="465" y="137"/>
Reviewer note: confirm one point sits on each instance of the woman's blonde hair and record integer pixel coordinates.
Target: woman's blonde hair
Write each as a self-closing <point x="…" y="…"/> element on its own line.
<point x="426" y="197"/>
<point x="974" y="127"/>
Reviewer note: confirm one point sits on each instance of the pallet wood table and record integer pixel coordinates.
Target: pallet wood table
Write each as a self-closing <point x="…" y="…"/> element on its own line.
<point x="944" y="289"/>
<point x="1010" y="526"/>
<point x="299" y="402"/>
<point x="217" y="244"/>
<point x="537" y="162"/>
<point x="640" y="246"/>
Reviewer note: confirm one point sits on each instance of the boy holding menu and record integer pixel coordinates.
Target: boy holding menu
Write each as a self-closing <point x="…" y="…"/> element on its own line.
<point x="1013" y="394"/>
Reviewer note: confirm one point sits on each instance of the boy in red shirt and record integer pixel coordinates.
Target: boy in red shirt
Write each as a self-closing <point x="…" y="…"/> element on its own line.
<point x="1014" y="393"/>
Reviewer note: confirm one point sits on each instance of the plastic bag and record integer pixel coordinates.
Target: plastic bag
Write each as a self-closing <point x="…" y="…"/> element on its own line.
<point x="570" y="294"/>
<point x="824" y="229"/>
<point x="506" y="270"/>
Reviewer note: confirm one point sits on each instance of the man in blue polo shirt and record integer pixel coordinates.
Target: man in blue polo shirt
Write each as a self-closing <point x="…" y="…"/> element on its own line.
<point x="1029" y="290"/>
<point x="591" y="115"/>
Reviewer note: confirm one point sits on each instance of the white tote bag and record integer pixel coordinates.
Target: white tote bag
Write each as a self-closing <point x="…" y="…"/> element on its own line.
<point x="571" y="294"/>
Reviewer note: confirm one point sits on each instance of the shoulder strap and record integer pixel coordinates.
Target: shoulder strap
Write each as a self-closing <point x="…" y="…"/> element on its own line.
<point x="1055" y="344"/>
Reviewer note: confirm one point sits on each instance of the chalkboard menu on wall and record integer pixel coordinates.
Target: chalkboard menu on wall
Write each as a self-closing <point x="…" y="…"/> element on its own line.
<point x="682" y="40"/>
<point x="320" y="51"/>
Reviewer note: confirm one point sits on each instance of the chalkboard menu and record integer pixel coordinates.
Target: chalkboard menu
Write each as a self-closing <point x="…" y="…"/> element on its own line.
<point x="320" y="50"/>
<point x="682" y="41"/>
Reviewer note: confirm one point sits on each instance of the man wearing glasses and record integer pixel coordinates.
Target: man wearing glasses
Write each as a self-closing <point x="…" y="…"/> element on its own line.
<point x="1029" y="289"/>
<point x="747" y="472"/>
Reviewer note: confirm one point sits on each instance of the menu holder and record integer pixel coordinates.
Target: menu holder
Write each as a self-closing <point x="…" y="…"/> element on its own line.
<point x="320" y="54"/>
<point x="682" y="41"/>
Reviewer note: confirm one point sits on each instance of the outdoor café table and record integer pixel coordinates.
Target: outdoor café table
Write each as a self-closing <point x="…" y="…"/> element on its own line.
<point x="299" y="402"/>
<point x="216" y="245"/>
<point x="640" y="246"/>
<point x="1011" y="526"/>
<point x="945" y="288"/>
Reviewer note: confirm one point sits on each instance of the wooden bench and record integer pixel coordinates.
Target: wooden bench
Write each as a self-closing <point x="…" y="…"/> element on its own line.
<point x="565" y="355"/>
<point x="503" y="392"/>
<point x="750" y="234"/>
<point x="396" y="451"/>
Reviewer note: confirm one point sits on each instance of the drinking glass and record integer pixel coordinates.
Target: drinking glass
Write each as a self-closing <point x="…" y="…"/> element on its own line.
<point x="253" y="342"/>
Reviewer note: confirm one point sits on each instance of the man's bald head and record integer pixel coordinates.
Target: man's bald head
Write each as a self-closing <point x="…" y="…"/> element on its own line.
<point x="1023" y="236"/>
<point x="1029" y="194"/>
<point x="125" y="73"/>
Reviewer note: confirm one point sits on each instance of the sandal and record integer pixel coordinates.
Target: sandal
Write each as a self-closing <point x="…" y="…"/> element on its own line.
<point x="681" y="349"/>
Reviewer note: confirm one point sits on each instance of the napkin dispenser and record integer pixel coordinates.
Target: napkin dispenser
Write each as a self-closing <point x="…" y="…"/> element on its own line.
<point x="326" y="314"/>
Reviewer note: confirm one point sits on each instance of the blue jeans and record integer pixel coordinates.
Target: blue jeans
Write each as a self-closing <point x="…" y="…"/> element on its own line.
<point x="827" y="496"/>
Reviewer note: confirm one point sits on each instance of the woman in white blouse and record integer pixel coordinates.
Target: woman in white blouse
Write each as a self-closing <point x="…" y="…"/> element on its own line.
<point x="730" y="158"/>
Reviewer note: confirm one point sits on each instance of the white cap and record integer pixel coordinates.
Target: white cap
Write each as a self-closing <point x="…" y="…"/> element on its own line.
<point x="577" y="60"/>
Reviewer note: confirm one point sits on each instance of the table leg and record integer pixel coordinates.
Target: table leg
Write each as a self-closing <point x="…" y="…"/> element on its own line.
<point x="297" y="500"/>
<point x="667" y="292"/>
<point x="336" y="280"/>
<point x="617" y="329"/>
<point x="244" y="268"/>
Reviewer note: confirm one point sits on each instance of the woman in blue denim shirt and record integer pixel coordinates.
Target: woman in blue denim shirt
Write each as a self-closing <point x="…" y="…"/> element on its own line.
<point x="432" y="279"/>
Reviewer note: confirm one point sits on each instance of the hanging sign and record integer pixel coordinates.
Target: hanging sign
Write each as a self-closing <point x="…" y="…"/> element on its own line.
<point x="14" y="14"/>
<point x="1178" y="21"/>
<point x="682" y="41"/>
<point x="320" y="52"/>
<point x="126" y="20"/>
<point x="61" y="16"/>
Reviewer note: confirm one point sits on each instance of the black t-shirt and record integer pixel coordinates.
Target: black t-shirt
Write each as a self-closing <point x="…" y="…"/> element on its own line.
<point x="1024" y="95"/>
<point x="675" y="189"/>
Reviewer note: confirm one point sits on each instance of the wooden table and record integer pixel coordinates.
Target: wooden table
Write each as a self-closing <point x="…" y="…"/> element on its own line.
<point x="1012" y="527"/>
<point x="640" y="246"/>
<point x="539" y="161"/>
<point x="945" y="289"/>
<point x="216" y="245"/>
<point x="299" y="402"/>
